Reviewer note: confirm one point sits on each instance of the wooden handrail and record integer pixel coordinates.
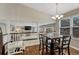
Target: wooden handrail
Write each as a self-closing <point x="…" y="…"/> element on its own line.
<point x="17" y="33"/>
<point x="22" y="32"/>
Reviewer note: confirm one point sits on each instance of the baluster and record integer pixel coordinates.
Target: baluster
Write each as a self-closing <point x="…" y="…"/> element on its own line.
<point x="14" y="37"/>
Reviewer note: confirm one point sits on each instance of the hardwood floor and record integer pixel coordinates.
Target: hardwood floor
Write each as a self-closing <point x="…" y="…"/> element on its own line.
<point x="34" y="50"/>
<point x="74" y="51"/>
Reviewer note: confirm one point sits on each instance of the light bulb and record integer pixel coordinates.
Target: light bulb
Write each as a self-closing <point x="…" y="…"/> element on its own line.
<point x="61" y="16"/>
<point x="57" y="16"/>
<point x="53" y="17"/>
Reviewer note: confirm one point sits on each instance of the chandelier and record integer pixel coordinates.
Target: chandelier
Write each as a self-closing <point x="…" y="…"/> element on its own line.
<point x="57" y="16"/>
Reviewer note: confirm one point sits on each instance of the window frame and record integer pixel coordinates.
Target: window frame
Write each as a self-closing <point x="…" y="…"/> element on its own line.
<point x="71" y="26"/>
<point x="75" y="26"/>
<point x="63" y="27"/>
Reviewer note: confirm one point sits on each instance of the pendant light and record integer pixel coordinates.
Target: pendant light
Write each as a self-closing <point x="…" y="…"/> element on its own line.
<point x="57" y="16"/>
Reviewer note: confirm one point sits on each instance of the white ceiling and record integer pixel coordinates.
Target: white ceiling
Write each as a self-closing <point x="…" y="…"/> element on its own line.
<point x="50" y="8"/>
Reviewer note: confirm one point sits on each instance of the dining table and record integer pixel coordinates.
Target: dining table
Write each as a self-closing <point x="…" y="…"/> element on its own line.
<point x="52" y="43"/>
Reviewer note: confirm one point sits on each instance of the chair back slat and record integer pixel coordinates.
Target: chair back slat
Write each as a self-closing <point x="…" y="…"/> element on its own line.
<point x="66" y="41"/>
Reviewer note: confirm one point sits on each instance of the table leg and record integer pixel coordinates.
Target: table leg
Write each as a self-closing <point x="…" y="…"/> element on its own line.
<point x="52" y="48"/>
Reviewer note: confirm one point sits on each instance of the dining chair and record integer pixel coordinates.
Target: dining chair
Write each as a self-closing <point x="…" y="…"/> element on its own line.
<point x="44" y="46"/>
<point x="64" y="45"/>
<point x="56" y="44"/>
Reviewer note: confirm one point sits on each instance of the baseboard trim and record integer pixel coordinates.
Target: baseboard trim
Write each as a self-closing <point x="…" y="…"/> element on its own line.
<point x="74" y="47"/>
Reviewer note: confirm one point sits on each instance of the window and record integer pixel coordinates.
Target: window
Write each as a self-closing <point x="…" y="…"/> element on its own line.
<point x="76" y="26"/>
<point x="75" y="32"/>
<point x="65" y="23"/>
<point x="65" y="27"/>
<point x="70" y="24"/>
<point x="65" y="31"/>
<point x="76" y="21"/>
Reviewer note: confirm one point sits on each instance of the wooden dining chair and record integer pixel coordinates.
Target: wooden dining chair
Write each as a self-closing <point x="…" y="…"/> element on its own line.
<point x="40" y="43"/>
<point x="56" y="45"/>
<point x="44" y="46"/>
<point x="64" y="45"/>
